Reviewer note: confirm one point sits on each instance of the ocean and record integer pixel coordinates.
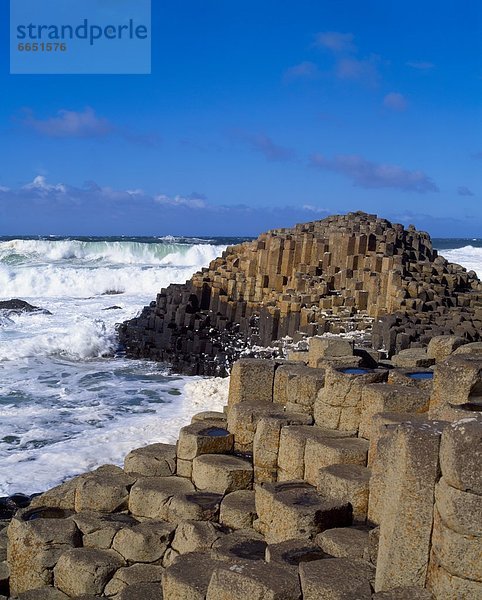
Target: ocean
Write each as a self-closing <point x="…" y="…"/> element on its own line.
<point x="69" y="401"/>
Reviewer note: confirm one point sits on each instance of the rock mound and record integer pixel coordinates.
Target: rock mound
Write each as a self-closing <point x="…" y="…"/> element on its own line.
<point x="327" y="276"/>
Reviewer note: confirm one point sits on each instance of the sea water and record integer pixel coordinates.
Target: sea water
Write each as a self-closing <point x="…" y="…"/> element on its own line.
<point x="69" y="401"/>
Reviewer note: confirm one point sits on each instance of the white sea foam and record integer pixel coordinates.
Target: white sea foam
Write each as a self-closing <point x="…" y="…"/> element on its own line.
<point x="95" y="435"/>
<point x="107" y="251"/>
<point x="469" y="257"/>
<point x="66" y="404"/>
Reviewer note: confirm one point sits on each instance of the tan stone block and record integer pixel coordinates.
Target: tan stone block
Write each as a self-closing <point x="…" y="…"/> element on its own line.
<point x="382" y="423"/>
<point x="349" y="483"/>
<point x="222" y="474"/>
<point x="298" y="356"/>
<point x="291" y="456"/>
<point x="303" y="387"/>
<point x="339" y="403"/>
<point x="294" y="509"/>
<point x="149" y="497"/>
<point x="328" y="347"/>
<point x="251" y="381"/>
<point x="243" y="420"/>
<point x="442" y="346"/>
<point x="412" y="358"/>
<point x="61" y="496"/>
<point x="144" y="543"/>
<point x="196" y="506"/>
<point x="457" y="381"/>
<point x="156" y="460"/>
<point x="335" y="579"/>
<point x="103" y="492"/>
<point x="44" y="593"/>
<point x="184" y="468"/>
<point x="253" y="580"/>
<point x="188" y="577"/>
<point x="324" y="452"/>
<point x="458" y="554"/>
<point x="238" y="509"/>
<point x="446" y="586"/>
<point x="203" y="438"/>
<point x="35" y="546"/>
<point x="210" y="415"/>
<point x="82" y="571"/>
<point x="404" y="593"/>
<point x="344" y="542"/>
<point x="382" y="398"/>
<point x="461" y="454"/>
<point x="461" y="511"/>
<point x="195" y="536"/>
<point x="128" y="579"/>
<point x="98" y="529"/>
<point x="419" y="378"/>
<point x="406" y="514"/>
<point x="291" y="553"/>
<point x="242" y="544"/>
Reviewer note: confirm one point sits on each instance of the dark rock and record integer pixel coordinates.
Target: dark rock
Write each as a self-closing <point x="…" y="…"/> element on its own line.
<point x="19" y="306"/>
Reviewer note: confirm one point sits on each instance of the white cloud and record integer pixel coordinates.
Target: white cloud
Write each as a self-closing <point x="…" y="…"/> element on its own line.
<point x="395" y="101"/>
<point x="304" y="70"/>
<point x="39" y="184"/>
<point x="335" y="41"/>
<point x="70" y="123"/>
<point x="368" y="174"/>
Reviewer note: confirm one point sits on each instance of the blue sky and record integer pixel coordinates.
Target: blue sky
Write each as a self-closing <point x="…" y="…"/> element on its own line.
<point x="257" y="114"/>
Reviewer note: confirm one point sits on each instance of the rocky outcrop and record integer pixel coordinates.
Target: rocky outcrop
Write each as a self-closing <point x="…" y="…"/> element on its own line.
<point x="329" y="276"/>
<point x="269" y="499"/>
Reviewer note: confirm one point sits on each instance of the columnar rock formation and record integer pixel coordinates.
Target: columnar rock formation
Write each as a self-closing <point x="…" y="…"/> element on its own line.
<point x="332" y="275"/>
<point x="317" y="482"/>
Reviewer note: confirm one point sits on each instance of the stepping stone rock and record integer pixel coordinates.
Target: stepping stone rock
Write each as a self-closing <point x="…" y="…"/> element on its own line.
<point x="461" y="454"/>
<point x="349" y="483"/>
<point x="144" y="543"/>
<point x="238" y="509"/>
<point x="335" y="579"/>
<point x="383" y="397"/>
<point x="43" y="593"/>
<point x="324" y="452"/>
<point x="405" y="593"/>
<point x="35" y="546"/>
<point x="222" y="474"/>
<point x="294" y="510"/>
<point x="150" y="496"/>
<point x="243" y="544"/>
<point x="103" y="491"/>
<point x="344" y="542"/>
<point x="188" y="577"/>
<point x="156" y="460"/>
<point x="253" y="580"/>
<point x="251" y="380"/>
<point x="203" y="438"/>
<point x="195" y="536"/>
<point x="291" y="455"/>
<point x="243" y="420"/>
<point x="293" y="552"/>
<point x="141" y="591"/>
<point x="86" y="570"/>
<point x="196" y="506"/>
<point x="211" y="415"/>
<point x="132" y="576"/>
<point x="98" y="529"/>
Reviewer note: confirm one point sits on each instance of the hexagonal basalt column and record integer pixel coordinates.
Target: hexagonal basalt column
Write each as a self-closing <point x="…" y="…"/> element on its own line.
<point x="36" y="540"/>
<point x="339" y="403"/>
<point x="457" y="387"/>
